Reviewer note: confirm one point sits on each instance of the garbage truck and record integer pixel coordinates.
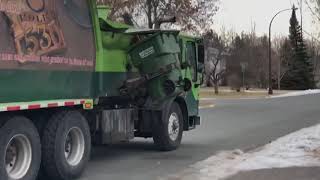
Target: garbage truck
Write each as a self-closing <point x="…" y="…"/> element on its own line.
<point x="70" y="79"/>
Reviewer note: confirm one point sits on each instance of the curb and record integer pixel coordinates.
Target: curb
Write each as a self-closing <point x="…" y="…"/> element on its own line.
<point x="208" y="106"/>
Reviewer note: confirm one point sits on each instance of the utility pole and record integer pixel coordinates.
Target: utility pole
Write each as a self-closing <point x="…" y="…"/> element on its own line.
<point x="244" y="66"/>
<point x="279" y="74"/>
<point x="301" y="8"/>
<point x="270" y="50"/>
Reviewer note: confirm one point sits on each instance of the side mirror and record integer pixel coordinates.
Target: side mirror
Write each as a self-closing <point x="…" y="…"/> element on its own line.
<point x="187" y="85"/>
<point x="201" y="68"/>
<point x="185" y="65"/>
<point x="201" y="53"/>
<point x="197" y="85"/>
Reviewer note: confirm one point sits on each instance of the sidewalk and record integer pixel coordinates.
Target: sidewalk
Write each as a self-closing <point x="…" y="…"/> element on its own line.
<point x="296" y="173"/>
<point x="207" y="94"/>
<point x="293" y="157"/>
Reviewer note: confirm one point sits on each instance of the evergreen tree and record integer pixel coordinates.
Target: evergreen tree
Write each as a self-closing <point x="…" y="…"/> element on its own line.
<point x="300" y="69"/>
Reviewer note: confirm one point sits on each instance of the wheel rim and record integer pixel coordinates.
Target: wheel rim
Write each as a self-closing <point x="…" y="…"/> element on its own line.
<point x="174" y="126"/>
<point x="74" y="146"/>
<point x="18" y="157"/>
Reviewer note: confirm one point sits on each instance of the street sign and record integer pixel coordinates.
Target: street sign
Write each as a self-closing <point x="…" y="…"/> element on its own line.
<point x="244" y="66"/>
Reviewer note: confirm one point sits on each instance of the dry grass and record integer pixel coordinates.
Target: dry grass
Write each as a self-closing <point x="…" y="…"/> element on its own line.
<point x="316" y="153"/>
<point x="226" y="93"/>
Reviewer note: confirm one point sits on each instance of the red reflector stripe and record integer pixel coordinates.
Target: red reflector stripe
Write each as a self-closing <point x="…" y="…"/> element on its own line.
<point x="39" y="105"/>
<point x="13" y="108"/>
<point x="35" y="106"/>
<point x="51" y="105"/>
<point x="69" y="103"/>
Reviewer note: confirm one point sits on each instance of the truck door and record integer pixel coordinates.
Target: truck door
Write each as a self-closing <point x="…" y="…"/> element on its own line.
<point x="192" y="73"/>
<point x="200" y="64"/>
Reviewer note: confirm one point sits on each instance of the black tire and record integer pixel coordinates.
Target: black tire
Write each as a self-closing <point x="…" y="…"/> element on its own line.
<point x="161" y="136"/>
<point x="20" y="134"/>
<point x="54" y="161"/>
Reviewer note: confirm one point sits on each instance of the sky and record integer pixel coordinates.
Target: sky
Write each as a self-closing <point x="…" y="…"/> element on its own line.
<point x="242" y="15"/>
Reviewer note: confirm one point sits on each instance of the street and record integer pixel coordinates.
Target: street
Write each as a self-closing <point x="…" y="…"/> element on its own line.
<point x="232" y="124"/>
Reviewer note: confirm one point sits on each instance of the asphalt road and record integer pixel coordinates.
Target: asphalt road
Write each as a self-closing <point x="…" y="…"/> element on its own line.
<point x="232" y="124"/>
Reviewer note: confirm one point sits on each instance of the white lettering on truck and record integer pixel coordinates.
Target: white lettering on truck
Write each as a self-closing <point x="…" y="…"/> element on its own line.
<point x="147" y="52"/>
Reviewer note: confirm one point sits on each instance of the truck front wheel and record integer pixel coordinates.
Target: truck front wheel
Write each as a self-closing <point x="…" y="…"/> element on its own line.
<point x="167" y="131"/>
<point x="66" y="146"/>
<point x="20" y="149"/>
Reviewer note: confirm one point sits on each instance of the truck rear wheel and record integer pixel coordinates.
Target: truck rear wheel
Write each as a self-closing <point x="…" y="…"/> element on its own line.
<point x="20" y="149"/>
<point x="167" y="133"/>
<point x="66" y="146"/>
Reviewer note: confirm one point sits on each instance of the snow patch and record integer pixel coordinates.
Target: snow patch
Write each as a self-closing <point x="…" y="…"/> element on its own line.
<point x="299" y="149"/>
<point x="298" y="93"/>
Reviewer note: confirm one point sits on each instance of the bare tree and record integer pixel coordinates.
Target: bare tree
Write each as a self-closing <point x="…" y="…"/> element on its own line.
<point x="314" y="53"/>
<point x="192" y="15"/>
<point x="216" y="51"/>
<point x="250" y="50"/>
<point x="282" y="48"/>
<point x="314" y="8"/>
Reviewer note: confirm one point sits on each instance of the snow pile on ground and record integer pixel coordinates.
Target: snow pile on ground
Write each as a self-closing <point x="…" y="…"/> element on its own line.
<point x="298" y="93"/>
<point x="299" y="149"/>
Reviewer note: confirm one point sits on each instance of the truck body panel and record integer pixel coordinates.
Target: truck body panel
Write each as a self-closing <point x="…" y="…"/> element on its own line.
<point x="47" y="55"/>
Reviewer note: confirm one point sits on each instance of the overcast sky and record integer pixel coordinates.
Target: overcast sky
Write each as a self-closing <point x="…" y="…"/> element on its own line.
<point x="239" y="15"/>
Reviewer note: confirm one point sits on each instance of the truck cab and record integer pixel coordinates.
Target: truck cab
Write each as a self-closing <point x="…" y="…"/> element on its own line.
<point x="192" y="56"/>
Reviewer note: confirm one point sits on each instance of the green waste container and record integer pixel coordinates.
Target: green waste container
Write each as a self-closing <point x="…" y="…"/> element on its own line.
<point x="158" y="54"/>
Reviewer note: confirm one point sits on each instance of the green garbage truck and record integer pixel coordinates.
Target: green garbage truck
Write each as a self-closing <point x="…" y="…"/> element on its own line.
<point x="70" y="79"/>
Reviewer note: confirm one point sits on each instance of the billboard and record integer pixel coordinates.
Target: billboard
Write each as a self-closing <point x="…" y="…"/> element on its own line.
<point x="46" y="35"/>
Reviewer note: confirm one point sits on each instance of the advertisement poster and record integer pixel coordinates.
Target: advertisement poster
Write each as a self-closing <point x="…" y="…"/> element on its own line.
<point x="46" y="35"/>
